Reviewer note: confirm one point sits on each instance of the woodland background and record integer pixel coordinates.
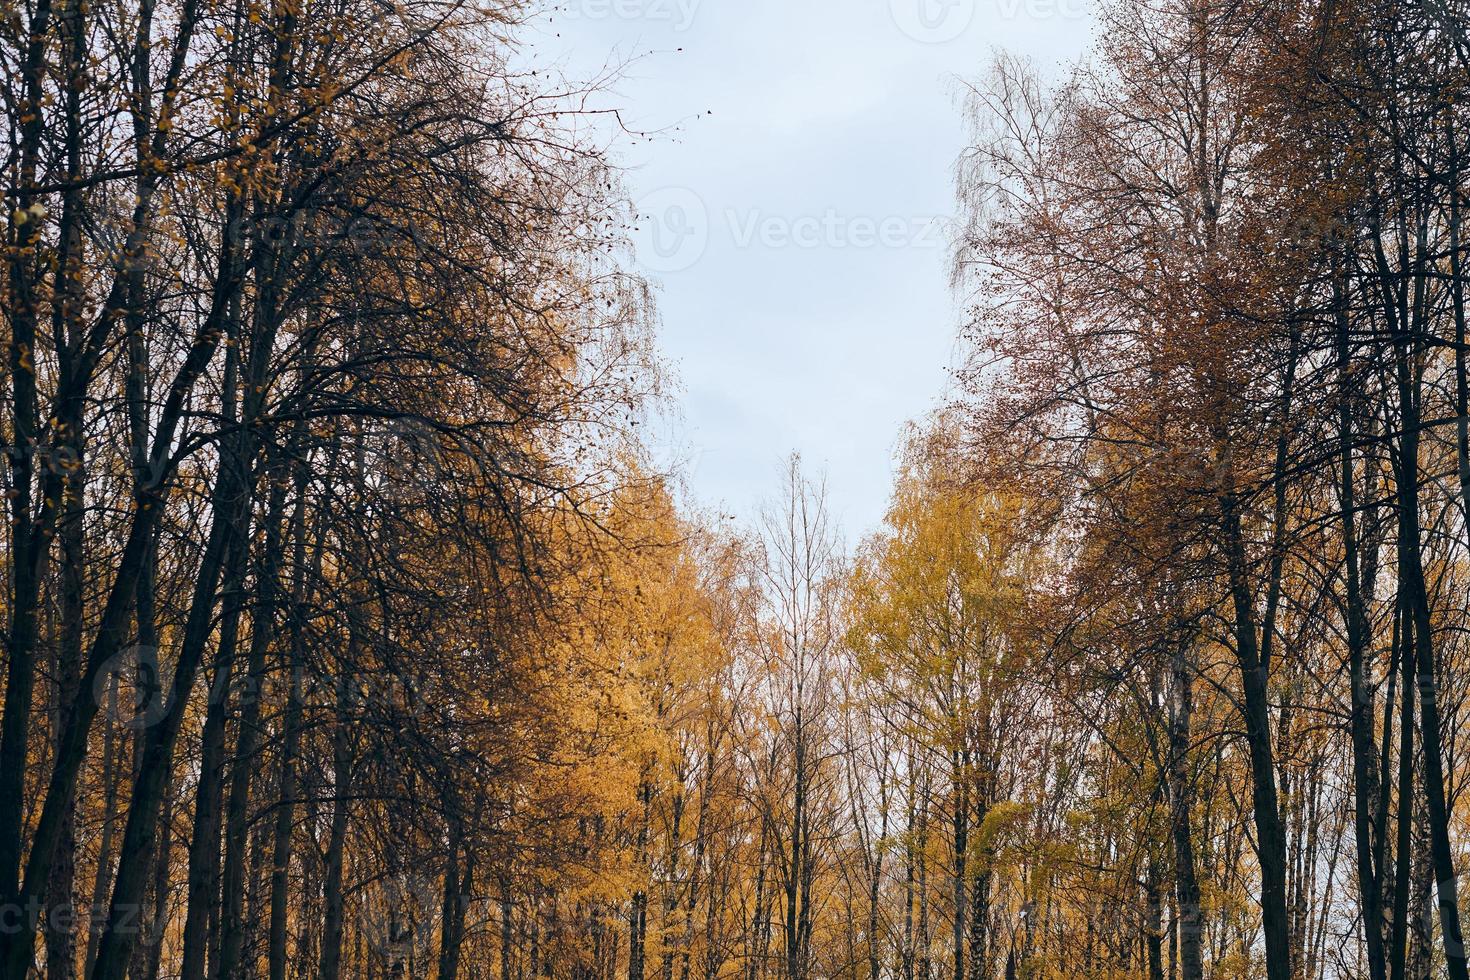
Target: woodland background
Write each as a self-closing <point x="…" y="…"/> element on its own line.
<point x="350" y="630"/>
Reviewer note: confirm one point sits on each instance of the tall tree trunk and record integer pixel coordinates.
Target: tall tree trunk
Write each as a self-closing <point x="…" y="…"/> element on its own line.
<point x="925" y="964"/>
<point x="231" y="492"/>
<point x="1399" y="934"/>
<point x="1270" y="835"/>
<point x="671" y="899"/>
<point x="294" y="664"/>
<point x="262" y="629"/>
<point x="1457" y="301"/>
<point x="61" y="942"/>
<point x="150" y="497"/>
<point x="281" y="837"/>
<point x="1361" y="720"/>
<point x="638" y="908"/>
<point x="906" y="969"/>
<point x="204" y="846"/>
<point x="697" y="866"/>
<point x="1154" y="897"/>
<point x="109" y="819"/>
<point x="71" y="461"/>
<point x="28" y="549"/>
<point x="1421" y="925"/>
<point x="979" y="937"/>
<point x="875" y="889"/>
<point x="507" y="930"/>
<point x="331" y="953"/>
<point x="148" y="957"/>
<point x="1181" y="793"/>
<point x="797" y="846"/>
<point x="26" y="546"/>
<point x="1412" y="587"/>
<point x="961" y="857"/>
<point x="459" y="889"/>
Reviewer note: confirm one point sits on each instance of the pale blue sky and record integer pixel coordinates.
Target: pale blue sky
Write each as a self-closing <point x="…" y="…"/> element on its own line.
<point x="797" y="214"/>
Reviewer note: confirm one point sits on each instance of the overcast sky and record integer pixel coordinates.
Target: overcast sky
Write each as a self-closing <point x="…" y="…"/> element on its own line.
<point x="798" y="206"/>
